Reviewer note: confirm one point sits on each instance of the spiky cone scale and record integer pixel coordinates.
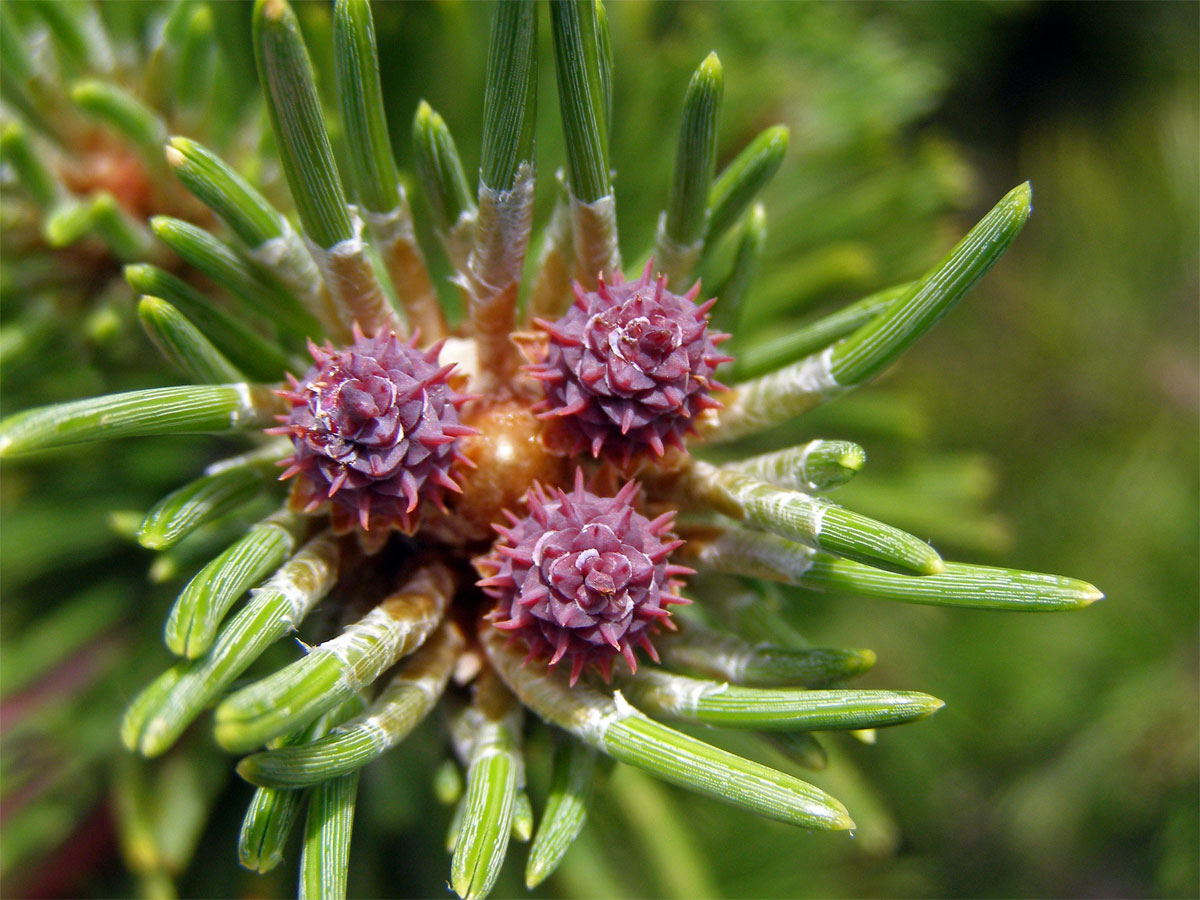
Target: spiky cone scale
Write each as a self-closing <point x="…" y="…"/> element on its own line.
<point x="583" y="578"/>
<point x="630" y="367"/>
<point x="374" y="429"/>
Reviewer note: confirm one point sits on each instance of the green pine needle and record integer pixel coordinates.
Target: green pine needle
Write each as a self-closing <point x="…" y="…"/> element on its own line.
<point x="510" y="97"/>
<point x="571" y="784"/>
<point x="193" y="620"/>
<point x="187" y="508"/>
<point x="182" y="343"/>
<point x="242" y="208"/>
<point x="194" y="409"/>
<point x="440" y="170"/>
<point x="775" y="709"/>
<point x="871" y="349"/>
<point x="372" y="168"/>
<point x="742" y="180"/>
<point x="582" y="96"/>
<point x="696" y="159"/>
<point x="286" y="73"/>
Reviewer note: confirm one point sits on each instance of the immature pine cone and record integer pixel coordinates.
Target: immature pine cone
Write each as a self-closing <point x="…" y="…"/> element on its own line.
<point x="630" y="365"/>
<point x="583" y="577"/>
<point x="374" y="428"/>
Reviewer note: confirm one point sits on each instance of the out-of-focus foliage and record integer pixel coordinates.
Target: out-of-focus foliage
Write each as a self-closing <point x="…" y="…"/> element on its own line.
<point x="1100" y="313"/>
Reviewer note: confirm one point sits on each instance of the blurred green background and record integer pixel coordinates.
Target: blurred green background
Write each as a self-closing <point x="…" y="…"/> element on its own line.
<point x="1050" y="423"/>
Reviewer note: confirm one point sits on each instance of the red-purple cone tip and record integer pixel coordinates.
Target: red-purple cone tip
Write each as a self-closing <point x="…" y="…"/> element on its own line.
<point x="582" y="577"/>
<point x="374" y="428"/>
<point x="630" y="366"/>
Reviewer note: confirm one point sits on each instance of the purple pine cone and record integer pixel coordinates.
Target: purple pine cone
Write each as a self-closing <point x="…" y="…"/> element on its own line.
<point x="583" y="577"/>
<point x="630" y="366"/>
<point x="375" y="428"/>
